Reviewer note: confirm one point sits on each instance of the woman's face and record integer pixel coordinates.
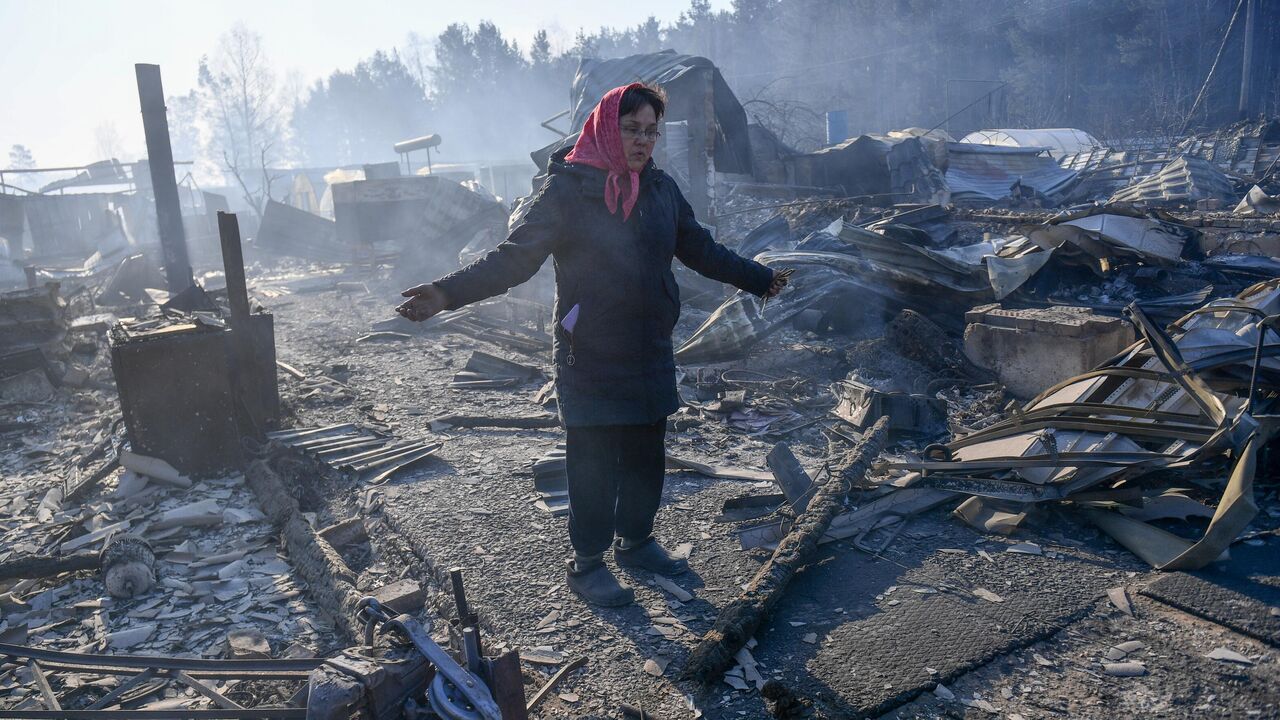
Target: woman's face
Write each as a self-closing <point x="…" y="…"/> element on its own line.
<point x="639" y="133"/>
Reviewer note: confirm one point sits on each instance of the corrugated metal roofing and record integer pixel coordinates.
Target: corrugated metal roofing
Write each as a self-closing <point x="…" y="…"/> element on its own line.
<point x="1104" y="171"/>
<point x="595" y="77"/>
<point x="1183" y="179"/>
<point x="1247" y="148"/>
<point x="987" y="173"/>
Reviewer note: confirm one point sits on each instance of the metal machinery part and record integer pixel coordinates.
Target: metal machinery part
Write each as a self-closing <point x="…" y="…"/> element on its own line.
<point x="459" y="693"/>
<point x="378" y="681"/>
<point x="448" y="702"/>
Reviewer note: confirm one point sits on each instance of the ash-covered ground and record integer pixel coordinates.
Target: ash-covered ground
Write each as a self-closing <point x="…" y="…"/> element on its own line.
<point x="857" y="632"/>
<point x="925" y="618"/>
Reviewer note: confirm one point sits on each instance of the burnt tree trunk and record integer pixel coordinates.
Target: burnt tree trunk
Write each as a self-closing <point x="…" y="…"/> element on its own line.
<point x="741" y="618"/>
<point x="43" y="566"/>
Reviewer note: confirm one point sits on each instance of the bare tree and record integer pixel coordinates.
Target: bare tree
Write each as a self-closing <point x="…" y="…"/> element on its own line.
<point x="417" y="54"/>
<point x="795" y="123"/>
<point x="20" y="158"/>
<point x="244" y="112"/>
<point x="107" y="140"/>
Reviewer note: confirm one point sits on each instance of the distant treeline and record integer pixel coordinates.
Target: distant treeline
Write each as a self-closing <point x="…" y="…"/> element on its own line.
<point x="1116" y="68"/>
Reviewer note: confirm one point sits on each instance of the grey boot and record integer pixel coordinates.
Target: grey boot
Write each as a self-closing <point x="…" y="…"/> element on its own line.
<point x="595" y="584"/>
<point x="649" y="555"/>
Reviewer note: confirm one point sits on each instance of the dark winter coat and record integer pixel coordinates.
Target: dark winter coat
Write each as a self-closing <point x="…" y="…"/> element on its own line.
<point x="617" y="366"/>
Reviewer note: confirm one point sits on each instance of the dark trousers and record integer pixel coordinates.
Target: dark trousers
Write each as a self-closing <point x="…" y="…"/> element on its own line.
<point x="615" y="483"/>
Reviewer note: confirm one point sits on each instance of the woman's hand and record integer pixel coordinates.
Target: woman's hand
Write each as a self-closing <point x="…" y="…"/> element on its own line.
<point x="424" y="302"/>
<point x="779" y="282"/>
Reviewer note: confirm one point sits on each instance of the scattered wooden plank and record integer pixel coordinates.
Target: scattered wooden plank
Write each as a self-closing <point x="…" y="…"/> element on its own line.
<point x="291" y="370"/>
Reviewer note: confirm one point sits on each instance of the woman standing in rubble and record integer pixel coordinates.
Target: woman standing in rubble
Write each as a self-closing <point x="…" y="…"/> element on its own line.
<point x="613" y="221"/>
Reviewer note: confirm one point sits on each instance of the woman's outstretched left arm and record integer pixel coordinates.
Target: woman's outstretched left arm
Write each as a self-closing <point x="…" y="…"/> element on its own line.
<point x="696" y="248"/>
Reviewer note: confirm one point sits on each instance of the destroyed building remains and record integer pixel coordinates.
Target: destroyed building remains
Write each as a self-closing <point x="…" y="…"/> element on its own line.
<point x="1005" y="444"/>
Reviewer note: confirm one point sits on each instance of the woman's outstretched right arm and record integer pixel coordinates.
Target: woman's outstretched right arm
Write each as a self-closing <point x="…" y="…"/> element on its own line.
<point x="511" y="263"/>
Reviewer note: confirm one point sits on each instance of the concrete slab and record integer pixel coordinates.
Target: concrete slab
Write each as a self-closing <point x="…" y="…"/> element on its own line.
<point x="938" y="629"/>
<point x="1243" y="594"/>
<point x="1030" y="350"/>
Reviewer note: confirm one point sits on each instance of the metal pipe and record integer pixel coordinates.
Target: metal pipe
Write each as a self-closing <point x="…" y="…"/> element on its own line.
<point x="1246" y="61"/>
<point x="173" y="714"/>
<point x="143" y="662"/>
<point x="233" y="266"/>
<point x="69" y="168"/>
<point x="459" y="594"/>
<point x="471" y="649"/>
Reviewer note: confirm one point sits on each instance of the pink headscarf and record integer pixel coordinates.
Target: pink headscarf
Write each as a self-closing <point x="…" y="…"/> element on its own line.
<point x="600" y="146"/>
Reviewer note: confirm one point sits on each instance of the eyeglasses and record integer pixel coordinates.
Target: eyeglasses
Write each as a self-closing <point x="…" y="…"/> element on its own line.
<point x="638" y="134"/>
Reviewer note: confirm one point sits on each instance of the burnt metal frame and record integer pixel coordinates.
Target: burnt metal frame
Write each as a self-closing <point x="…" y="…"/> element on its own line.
<point x="141" y="669"/>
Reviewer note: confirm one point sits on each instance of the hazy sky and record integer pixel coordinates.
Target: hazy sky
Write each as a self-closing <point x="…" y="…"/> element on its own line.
<point x="68" y="64"/>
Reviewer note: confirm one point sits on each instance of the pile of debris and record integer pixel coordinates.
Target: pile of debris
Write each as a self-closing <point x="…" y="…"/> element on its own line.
<point x="1022" y="325"/>
<point x="1105" y="390"/>
<point x="1133" y="439"/>
<point x="144" y="561"/>
<point x="1173" y="427"/>
<point x="917" y="257"/>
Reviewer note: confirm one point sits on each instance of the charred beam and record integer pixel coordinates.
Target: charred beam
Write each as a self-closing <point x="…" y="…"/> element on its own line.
<point x="741" y="618"/>
<point x="155" y="124"/>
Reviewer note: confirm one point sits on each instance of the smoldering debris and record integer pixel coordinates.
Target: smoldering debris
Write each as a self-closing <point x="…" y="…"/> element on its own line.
<point x="1011" y="375"/>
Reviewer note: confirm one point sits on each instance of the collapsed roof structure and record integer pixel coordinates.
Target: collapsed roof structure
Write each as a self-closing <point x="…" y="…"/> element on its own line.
<point x="706" y="127"/>
<point x="985" y="174"/>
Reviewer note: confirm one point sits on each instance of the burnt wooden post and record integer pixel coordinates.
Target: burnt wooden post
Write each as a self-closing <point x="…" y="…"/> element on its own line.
<point x="507" y="683"/>
<point x="233" y="266"/>
<point x="155" y="124"/>
<point x="244" y="370"/>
